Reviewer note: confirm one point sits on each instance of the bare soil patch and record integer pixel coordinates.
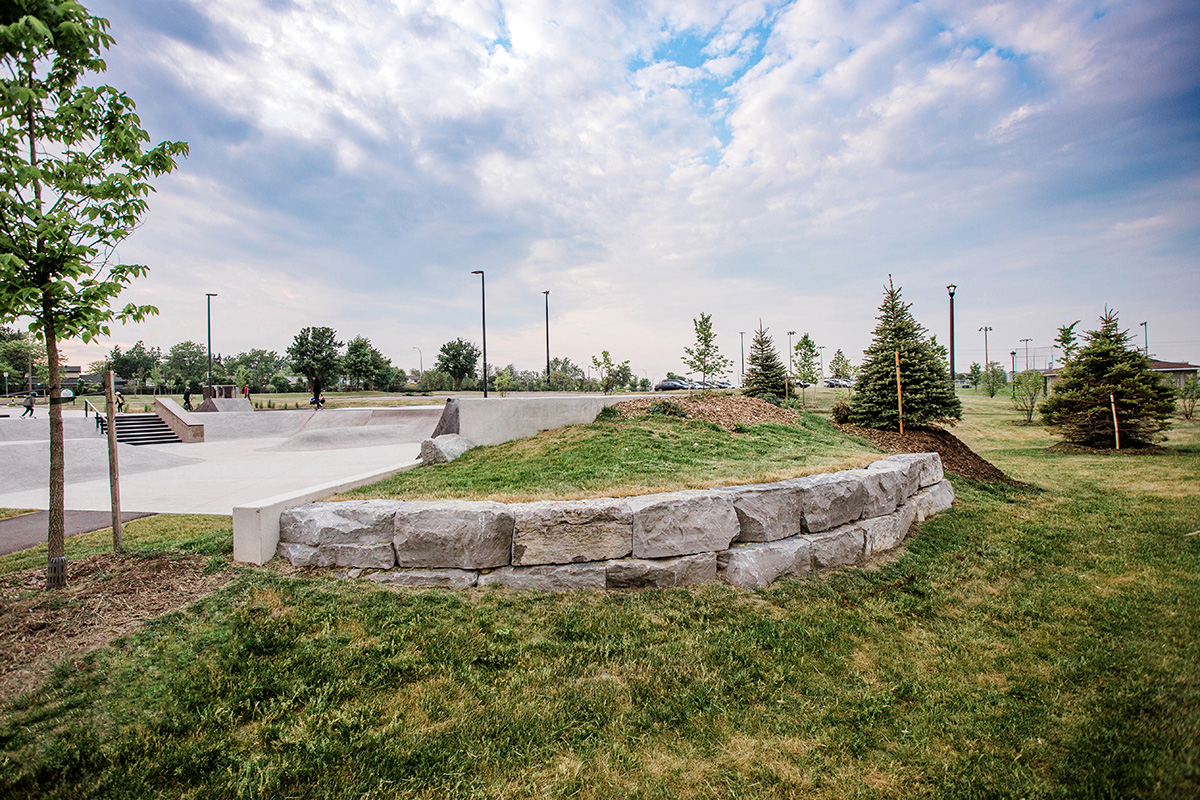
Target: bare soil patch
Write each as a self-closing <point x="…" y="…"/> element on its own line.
<point x="107" y="596"/>
<point x="722" y="409"/>
<point x="956" y="457"/>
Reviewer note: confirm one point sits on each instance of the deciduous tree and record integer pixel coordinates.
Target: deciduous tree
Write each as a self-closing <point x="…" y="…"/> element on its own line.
<point x="457" y="359"/>
<point x="74" y="180"/>
<point x="314" y="354"/>
<point x="1027" y="390"/>
<point x="705" y="358"/>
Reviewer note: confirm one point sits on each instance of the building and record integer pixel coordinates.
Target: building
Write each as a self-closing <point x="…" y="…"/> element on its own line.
<point x="1174" y="373"/>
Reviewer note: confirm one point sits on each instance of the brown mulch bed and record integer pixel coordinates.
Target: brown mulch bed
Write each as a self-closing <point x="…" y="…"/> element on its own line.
<point x="107" y="596"/>
<point x="726" y="410"/>
<point x="956" y="456"/>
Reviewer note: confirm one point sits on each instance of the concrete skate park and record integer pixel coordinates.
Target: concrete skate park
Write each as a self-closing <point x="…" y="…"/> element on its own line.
<point x="254" y="464"/>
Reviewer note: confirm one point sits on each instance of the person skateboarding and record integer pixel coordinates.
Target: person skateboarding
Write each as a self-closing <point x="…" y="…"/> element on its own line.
<point x="187" y="398"/>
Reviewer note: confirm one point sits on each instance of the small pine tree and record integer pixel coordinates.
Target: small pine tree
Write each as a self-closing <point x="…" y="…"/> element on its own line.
<point x="766" y="375"/>
<point x="1079" y="408"/>
<point x="839" y="365"/>
<point x="926" y="390"/>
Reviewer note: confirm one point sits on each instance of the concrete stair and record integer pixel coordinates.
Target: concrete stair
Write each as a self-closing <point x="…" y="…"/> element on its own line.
<point x="141" y="429"/>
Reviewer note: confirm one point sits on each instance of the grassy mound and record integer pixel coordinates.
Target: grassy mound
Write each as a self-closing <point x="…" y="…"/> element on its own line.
<point x="629" y="456"/>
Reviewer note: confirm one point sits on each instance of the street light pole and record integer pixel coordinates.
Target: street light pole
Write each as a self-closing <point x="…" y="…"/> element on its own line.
<point x="1026" y="341"/>
<point x="209" y="296"/>
<point x="421" y="360"/>
<point x="743" y="335"/>
<point x="1146" y="331"/>
<point x="987" y="364"/>
<point x="789" y="380"/>
<point x="483" y="306"/>
<point x="951" y="289"/>
<point x="547" y="294"/>
<point x="821" y="355"/>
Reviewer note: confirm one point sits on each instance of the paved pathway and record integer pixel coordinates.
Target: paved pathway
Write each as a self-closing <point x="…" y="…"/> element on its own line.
<point x="27" y="530"/>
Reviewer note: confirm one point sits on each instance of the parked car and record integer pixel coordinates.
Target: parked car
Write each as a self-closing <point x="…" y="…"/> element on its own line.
<point x="670" y="384"/>
<point x="831" y="383"/>
<point x="723" y="385"/>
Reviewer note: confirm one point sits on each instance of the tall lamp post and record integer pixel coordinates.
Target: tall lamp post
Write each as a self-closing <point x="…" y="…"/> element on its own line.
<point x="987" y="364"/>
<point x="1026" y="341"/>
<point x="547" y="294"/>
<point x="483" y="306"/>
<point x="789" y="380"/>
<point x="951" y="289"/>
<point x="209" y="296"/>
<point x="421" y="361"/>
<point x="821" y="355"/>
<point x="1146" y="332"/>
<point x="743" y="335"/>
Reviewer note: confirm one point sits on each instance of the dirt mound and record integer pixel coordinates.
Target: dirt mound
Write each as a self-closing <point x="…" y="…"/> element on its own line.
<point x="956" y="456"/>
<point x="107" y="596"/>
<point x="726" y="410"/>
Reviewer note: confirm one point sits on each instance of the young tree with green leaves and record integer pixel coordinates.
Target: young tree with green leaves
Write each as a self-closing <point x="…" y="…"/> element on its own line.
<point x="186" y="364"/>
<point x="927" y="393"/>
<point x="975" y="374"/>
<point x="611" y="375"/>
<point x="360" y="362"/>
<point x="1080" y="409"/>
<point x="1189" y="393"/>
<point x="839" y="365"/>
<point x="705" y="358"/>
<point x="314" y="353"/>
<point x="994" y="378"/>
<point x="1027" y="390"/>
<point x="766" y="375"/>
<point x="457" y="359"/>
<point x="75" y="178"/>
<point x="804" y="363"/>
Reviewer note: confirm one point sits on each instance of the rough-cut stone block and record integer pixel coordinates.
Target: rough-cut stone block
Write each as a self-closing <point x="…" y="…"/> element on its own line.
<point x="886" y="532"/>
<point x="453" y="534"/>
<point x="548" y="578"/>
<point x="766" y="512"/>
<point x="828" y="501"/>
<point x="835" y="548"/>
<point x="445" y="448"/>
<point x="753" y="566"/>
<point x="932" y="500"/>
<point x="350" y="522"/>
<point x="682" y="523"/>
<point x="662" y="573"/>
<point x="928" y="467"/>
<point x="378" y="556"/>
<point x="571" y="531"/>
<point x="428" y="578"/>
<point x="887" y="485"/>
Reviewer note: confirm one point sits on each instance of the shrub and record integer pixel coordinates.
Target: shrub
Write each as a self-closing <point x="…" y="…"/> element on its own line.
<point x="608" y="414"/>
<point x="667" y="408"/>
<point x="840" y="413"/>
<point x="1188" y="394"/>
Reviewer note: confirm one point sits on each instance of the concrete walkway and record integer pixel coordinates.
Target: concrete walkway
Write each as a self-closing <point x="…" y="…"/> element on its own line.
<point x="301" y="449"/>
<point x="28" y="530"/>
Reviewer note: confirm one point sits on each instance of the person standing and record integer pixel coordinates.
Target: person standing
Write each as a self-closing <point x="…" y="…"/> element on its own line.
<point x="246" y="392"/>
<point x="120" y="403"/>
<point x="28" y="403"/>
<point x="187" y="398"/>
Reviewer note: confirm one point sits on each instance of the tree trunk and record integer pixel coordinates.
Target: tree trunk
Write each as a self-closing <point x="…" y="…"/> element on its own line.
<point x="56" y="573"/>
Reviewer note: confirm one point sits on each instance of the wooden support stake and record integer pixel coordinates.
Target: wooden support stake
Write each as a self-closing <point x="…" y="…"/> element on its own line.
<point x="899" y="394"/>
<point x="113" y="473"/>
<point x="1116" y="429"/>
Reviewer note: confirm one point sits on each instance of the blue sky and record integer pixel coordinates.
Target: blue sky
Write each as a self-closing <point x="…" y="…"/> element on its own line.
<point x="352" y="161"/>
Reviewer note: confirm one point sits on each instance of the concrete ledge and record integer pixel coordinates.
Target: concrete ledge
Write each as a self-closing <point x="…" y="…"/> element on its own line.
<point x="502" y="419"/>
<point x="187" y="427"/>
<point x="256" y="526"/>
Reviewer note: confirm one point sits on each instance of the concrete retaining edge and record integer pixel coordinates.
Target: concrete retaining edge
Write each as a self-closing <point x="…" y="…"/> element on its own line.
<point x="751" y="535"/>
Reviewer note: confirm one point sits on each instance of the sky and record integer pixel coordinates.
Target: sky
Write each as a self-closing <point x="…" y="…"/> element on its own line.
<point x="353" y="161"/>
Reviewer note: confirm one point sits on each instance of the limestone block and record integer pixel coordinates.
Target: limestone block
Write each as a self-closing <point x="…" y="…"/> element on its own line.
<point x="453" y="534"/>
<point x="766" y="512"/>
<point x="754" y="566"/>
<point x="662" y="573"/>
<point x="927" y="465"/>
<point x="883" y="533"/>
<point x="350" y="522"/>
<point x="428" y="578"/>
<point x="548" y="578"/>
<point x="932" y="500"/>
<point x="840" y="546"/>
<point x="445" y="448"/>
<point x="888" y="484"/>
<point x="828" y="501"/>
<point x="571" y="531"/>
<point x="682" y="523"/>
<point x="377" y="556"/>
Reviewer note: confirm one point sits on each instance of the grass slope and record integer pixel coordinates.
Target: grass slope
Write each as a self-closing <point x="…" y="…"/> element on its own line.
<point x="1037" y="641"/>
<point x="639" y="456"/>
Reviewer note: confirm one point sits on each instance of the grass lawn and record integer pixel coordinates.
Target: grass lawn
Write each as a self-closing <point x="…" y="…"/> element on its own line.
<point x="1034" y="641"/>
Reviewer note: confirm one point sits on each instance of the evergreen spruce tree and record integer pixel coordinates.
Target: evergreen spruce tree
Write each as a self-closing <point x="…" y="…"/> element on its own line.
<point x="926" y="388"/>
<point x="766" y="375"/>
<point x="1079" y="408"/>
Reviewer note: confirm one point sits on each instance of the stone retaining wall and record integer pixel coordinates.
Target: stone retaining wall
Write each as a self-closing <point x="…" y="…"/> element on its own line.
<point x="750" y="534"/>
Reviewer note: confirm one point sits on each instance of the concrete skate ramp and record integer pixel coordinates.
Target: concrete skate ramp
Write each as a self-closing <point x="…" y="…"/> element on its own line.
<point x="333" y="429"/>
<point x="27" y="464"/>
<point x="38" y="430"/>
<point x="228" y="405"/>
<point x="502" y="419"/>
